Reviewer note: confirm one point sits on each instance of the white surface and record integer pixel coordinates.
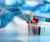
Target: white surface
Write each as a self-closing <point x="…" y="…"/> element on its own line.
<point x="11" y="31"/>
<point x="21" y="27"/>
<point x="18" y="25"/>
<point x="45" y="32"/>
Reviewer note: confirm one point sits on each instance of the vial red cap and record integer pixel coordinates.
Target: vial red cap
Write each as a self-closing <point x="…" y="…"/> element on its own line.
<point x="28" y="22"/>
<point x="35" y="19"/>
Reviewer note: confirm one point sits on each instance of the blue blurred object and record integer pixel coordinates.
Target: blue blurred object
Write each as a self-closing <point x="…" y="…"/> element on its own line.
<point x="2" y="2"/>
<point x="5" y="19"/>
<point x="47" y="0"/>
<point x="12" y="7"/>
<point x="29" y="19"/>
<point x="28" y="8"/>
<point x="31" y="8"/>
<point x="11" y="3"/>
<point x="44" y="8"/>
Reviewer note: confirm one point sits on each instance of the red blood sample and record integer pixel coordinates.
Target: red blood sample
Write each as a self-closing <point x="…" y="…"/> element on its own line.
<point x="36" y="20"/>
<point x="28" y="22"/>
<point x="31" y="21"/>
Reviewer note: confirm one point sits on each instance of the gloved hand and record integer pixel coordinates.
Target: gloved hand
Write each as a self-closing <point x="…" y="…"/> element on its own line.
<point x="44" y="8"/>
<point x="8" y="17"/>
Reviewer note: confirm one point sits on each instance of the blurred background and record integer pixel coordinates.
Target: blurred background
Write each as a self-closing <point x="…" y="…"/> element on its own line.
<point x="13" y="26"/>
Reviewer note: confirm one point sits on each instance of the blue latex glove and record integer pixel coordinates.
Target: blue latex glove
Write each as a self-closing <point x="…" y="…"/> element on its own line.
<point x="44" y="8"/>
<point x="8" y="17"/>
<point x="5" y="19"/>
